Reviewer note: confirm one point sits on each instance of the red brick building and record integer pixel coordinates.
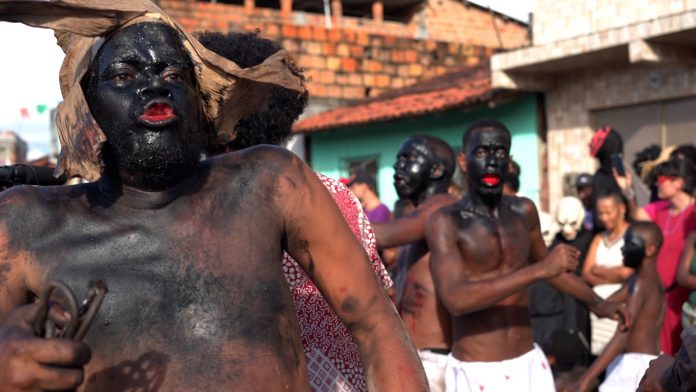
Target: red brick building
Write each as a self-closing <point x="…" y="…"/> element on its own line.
<point x="353" y="49"/>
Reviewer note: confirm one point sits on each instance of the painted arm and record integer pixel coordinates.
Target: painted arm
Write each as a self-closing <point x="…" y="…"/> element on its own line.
<point x="616" y="345"/>
<point x="410" y="228"/>
<point x="684" y="276"/>
<point x="614" y="348"/>
<point x="569" y="283"/>
<point x="321" y="242"/>
<point x="458" y="292"/>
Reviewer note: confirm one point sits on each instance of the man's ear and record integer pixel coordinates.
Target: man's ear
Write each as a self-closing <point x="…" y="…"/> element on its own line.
<point x="436" y="171"/>
<point x="650" y="250"/>
<point x="461" y="161"/>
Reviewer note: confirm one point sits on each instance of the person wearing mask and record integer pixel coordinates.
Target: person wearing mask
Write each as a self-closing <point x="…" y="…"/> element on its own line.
<point x="550" y="309"/>
<point x="603" y="267"/>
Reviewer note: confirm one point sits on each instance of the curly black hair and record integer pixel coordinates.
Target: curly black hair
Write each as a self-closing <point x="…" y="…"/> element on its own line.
<point x="274" y="125"/>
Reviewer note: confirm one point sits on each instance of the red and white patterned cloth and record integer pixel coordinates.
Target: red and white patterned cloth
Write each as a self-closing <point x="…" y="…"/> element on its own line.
<point x="333" y="358"/>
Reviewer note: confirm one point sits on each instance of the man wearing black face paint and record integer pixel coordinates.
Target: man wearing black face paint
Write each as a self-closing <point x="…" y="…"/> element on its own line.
<point x="627" y="355"/>
<point x="423" y="171"/>
<point x="190" y="250"/>
<point x="482" y="248"/>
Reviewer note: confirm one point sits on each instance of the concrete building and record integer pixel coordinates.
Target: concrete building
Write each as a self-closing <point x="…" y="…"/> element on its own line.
<point x="12" y="148"/>
<point x="624" y="63"/>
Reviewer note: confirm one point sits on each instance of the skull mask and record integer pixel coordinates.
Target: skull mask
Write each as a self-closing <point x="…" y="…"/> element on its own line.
<point x="569" y="217"/>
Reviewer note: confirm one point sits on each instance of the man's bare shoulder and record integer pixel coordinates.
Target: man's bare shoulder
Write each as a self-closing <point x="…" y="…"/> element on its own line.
<point x="524" y="207"/>
<point x="262" y="155"/>
<point x="34" y="199"/>
<point x="438" y="201"/>
<point x="449" y="216"/>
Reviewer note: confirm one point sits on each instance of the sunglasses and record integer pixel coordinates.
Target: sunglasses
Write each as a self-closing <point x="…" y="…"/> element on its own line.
<point x="662" y="179"/>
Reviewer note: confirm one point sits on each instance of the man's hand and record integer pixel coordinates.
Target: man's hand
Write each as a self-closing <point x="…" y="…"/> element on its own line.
<point x="28" y="363"/>
<point x="615" y="310"/>
<point x="563" y="258"/>
<point x="651" y="379"/>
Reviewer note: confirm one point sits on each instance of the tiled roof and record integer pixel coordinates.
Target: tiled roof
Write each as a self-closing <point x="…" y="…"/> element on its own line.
<point x="466" y="86"/>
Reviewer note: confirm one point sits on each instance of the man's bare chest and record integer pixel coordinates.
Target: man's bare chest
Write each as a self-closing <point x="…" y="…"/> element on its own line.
<point x="196" y="277"/>
<point x="493" y="246"/>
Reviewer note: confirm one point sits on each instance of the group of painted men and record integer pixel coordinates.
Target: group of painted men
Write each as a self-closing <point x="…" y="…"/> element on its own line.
<point x="190" y="247"/>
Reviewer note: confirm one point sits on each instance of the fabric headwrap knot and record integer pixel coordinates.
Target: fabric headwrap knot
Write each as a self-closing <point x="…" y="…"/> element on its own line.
<point x="80" y="27"/>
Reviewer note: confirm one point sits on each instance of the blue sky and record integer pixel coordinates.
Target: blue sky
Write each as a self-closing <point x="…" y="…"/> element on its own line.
<point x="31" y="62"/>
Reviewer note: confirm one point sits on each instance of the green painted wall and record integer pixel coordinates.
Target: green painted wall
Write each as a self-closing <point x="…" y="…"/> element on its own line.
<point x="330" y="149"/>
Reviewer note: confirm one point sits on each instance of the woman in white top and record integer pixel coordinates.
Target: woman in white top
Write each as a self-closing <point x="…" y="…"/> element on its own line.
<point x="603" y="268"/>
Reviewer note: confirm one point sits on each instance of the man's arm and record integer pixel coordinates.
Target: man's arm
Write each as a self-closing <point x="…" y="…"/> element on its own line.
<point x="319" y="239"/>
<point x="411" y="227"/>
<point x="569" y="283"/>
<point x="616" y="345"/>
<point x="458" y="292"/>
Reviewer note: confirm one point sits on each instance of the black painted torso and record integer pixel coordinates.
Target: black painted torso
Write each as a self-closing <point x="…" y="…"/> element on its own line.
<point x="197" y="299"/>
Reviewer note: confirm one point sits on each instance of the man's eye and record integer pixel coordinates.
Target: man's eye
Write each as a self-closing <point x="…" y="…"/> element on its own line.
<point x="501" y="153"/>
<point x="173" y="76"/>
<point x="480" y="152"/>
<point x="122" y="77"/>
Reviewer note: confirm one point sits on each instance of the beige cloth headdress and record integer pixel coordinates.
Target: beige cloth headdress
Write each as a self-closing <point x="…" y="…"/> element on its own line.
<point x="78" y="26"/>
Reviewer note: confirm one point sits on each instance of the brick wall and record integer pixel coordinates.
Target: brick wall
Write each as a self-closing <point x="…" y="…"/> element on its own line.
<point x="360" y="58"/>
<point x="556" y="20"/>
<point x="569" y="108"/>
<point x="449" y="20"/>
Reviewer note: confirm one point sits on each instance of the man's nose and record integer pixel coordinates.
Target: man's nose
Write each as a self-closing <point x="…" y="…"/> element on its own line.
<point x="491" y="160"/>
<point x="155" y="88"/>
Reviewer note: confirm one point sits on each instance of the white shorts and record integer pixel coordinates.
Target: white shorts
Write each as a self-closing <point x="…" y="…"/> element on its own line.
<point x="434" y="365"/>
<point x="625" y="371"/>
<point x="530" y="372"/>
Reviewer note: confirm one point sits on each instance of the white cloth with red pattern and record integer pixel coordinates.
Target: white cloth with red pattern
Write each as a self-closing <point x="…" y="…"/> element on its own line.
<point x="530" y="372"/>
<point x="333" y="358"/>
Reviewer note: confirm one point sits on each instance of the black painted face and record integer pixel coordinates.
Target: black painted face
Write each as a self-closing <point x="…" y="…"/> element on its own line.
<point x="142" y="93"/>
<point x="633" y="250"/>
<point x="488" y="161"/>
<point x="412" y="169"/>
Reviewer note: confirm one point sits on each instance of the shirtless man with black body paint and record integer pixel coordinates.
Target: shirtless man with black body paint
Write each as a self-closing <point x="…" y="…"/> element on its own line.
<point x="423" y="172"/>
<point x="485" y="251"/>
<point x="190" y="251"/>
<point x="628" y="354"/>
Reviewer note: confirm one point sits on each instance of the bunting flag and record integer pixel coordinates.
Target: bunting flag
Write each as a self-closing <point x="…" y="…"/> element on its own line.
<point x="26" y="113"/>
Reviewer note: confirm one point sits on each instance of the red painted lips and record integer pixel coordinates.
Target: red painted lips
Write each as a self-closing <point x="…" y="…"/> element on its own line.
<point x="490" y="179"/>
<point x="158" y="112"/>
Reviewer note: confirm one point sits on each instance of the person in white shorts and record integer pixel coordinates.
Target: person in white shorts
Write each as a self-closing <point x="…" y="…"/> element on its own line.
<point x="628" y="353"/>
<point x="485" y="252"/>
